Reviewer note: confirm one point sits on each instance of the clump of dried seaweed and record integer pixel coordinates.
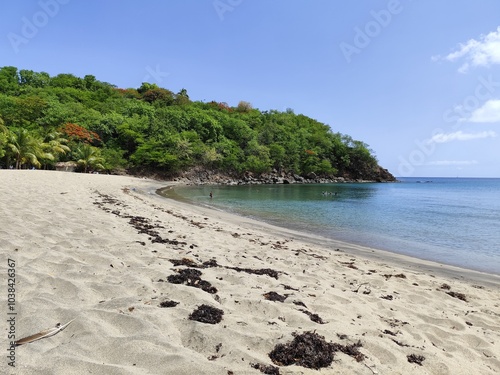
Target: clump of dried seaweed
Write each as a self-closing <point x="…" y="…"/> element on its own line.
<point x="207" y="314"/>
<point x="213" y="263"/>
<point x="415" y="358"/>
<point x="168" y="303"/>
<point x="191" y="263"/>
<point x="273" y="296"/>
<point x="314" y="317"/>
<point x="399" y="276"/>
<point x="307" y="350"/>
<point x="351" y="350"/>
<point x="266" y="369"/>
<point x="458" y="295"/>
<point x="300" y="303"/>
<point x="263" y="271"/>
<point x="191" y="277"/>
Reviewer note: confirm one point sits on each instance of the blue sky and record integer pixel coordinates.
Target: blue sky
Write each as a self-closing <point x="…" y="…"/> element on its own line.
<point x="419" y="81"/>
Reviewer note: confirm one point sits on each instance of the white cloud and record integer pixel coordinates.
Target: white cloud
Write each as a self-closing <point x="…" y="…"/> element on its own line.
<point x="489" y="112"/>
<point x="453" y="162"/>
<point x="460" y="136"/>
<point x="482" y="52"/>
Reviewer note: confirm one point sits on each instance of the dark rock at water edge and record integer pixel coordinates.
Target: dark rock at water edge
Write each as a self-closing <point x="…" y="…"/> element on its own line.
<point x="199" y="176"/>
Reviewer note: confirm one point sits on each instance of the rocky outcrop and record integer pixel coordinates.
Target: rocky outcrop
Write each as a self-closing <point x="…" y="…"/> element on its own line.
<point x="200" y="176"/>
<point x="384" y="175"/>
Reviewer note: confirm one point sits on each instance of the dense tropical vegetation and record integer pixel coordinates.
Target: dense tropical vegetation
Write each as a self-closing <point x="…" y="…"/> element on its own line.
<point x="45" y="120"/>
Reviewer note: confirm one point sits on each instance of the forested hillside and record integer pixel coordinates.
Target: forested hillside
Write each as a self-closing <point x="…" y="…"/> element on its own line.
<point x="45" y="120"/>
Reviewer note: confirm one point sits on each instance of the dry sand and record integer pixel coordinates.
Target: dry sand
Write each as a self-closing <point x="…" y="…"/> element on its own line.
<point x="79" y="255"/>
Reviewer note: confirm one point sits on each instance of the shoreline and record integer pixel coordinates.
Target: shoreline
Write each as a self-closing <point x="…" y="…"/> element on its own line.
<point x="110" y="253"/>
<point x="399" y="259"/>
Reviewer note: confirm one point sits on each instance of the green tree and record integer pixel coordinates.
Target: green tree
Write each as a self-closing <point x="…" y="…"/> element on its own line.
<point x="231" y="155"/>
<point x="362" y="161"/>
<point x="277" y="153"/>
<point x="114" y="159"/>
<point x="30" y="109"/>
<point x="54" y="144"/>
<point x="3" y="138"/>
<point x="9" y="80"/>
<point x="258" y="159"/>
<point x="211" y="158"/>
<point x="33" y="79"/>
<point x="182" y="97"/>
<point x="146" y="86"/>
<point x="153" y="153"/>
<point x="55" y="114"/>
<point x="159" y="96"/>
<point x="26" y="149"/>
<point x="244" y="106"/>
<point x="131" y="134"/>
<point x="207" y="127"/>
<point x="89" y="157"/>
<point x="90" y="83"/>
<point x="65" y="80"/>
<point x="238" y="130"/>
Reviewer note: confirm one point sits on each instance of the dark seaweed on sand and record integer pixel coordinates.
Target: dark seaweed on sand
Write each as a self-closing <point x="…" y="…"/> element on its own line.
<point x="273" y="296"/>
<point x="213" y="263"/>
<point x="460" y="296"/>
<point x="266" y="369"/>
<point x="307" y="350"/>
<point x="143" y="225"/>
<point x="388" y="332"/>
<point x="314" y="317"/>
<point x="288" y="287"/>
<point x="399" y="276"/>
<point x="168" y="303"/>
<point x="300" y="303"/>
<point x="210" y="263"/>
<point x="207" y="314"/>
<point x="184" y="262"/>
<point x="349" y="264"/>
<point x="415" y="358"/>
<point x="263" y="271"/>
<point x="351" y="350"/>
<point x="191" y="277"/>
<point x="191" y="263"/>
<point x="188" y="273"/>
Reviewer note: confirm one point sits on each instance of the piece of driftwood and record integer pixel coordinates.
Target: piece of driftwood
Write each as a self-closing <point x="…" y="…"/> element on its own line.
<point x="43" y="334"/>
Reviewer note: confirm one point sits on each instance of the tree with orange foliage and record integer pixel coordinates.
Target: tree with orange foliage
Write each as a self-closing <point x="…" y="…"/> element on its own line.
<point x="79" y="134"/>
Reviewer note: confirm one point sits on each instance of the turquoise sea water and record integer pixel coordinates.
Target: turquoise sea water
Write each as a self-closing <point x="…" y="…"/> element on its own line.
<point x="454" y="221"/>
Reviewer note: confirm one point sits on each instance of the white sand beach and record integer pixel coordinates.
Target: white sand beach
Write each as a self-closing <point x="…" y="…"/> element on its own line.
<point x="98" y="249"/>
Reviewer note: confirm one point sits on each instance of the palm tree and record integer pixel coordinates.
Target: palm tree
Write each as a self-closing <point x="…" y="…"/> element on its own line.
<point x="54" y="144"/>
<point x="3" y="137"/>
<point x="26" y="148"/>
<point x="89" y="157"/>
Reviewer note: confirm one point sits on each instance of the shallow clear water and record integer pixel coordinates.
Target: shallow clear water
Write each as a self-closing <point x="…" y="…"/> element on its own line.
<point x="449" y="220"/>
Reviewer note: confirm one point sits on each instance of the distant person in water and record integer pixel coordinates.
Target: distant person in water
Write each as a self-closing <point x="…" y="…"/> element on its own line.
<point x="211" y="195"/>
